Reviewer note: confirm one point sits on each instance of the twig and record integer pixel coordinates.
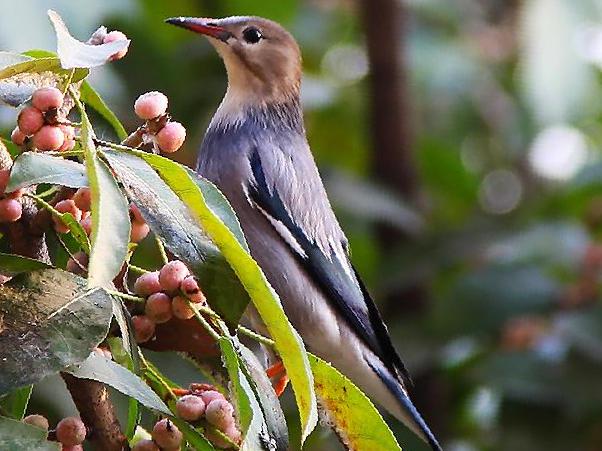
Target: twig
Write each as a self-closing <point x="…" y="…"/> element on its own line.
<point x="127" y="297"/>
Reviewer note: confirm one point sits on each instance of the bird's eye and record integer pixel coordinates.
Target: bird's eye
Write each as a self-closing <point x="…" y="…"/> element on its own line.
<point x="252" y="35"/>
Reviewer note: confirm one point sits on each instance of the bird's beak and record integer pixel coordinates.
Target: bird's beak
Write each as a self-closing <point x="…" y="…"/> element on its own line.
<point x="208" y="27"/>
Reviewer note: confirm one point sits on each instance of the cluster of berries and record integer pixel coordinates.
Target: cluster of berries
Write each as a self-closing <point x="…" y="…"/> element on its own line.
<point x="167" y="293"/>
<point x="166" y="135"/>
<point x="10" y="206"/>
<point x="201" y="401"/>
<point x="41" y="122"/>
<point x="70" y="432"/>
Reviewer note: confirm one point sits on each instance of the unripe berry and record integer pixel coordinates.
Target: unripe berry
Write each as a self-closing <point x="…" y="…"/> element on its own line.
<point x="116" y="36"/>
<point x="144" y="328"/>
<point x="10" y="210"/>
<point x="17" y="136"/>
<point x="171" y="275"/>
<point x="46" y="98"/>
<point x="86" y="224"/>
<point x="219" y="413"/>
<point x="71" y="431"/>
<point x="171" y="137"/>
<point x="66" y="206"/>
<point x="4" y="176"/>
<point x="211" y="395"/>
<point x="146" y="445"/>
<point x="37" y="420"/>
<point x="190" y="288"/>
<point x="158" y="308"/>
<point x="147" y="284"/>
<point x="190" y="407"/>
<point x="139" y="231"/>
<point x="30" y="120"/>
<point x="49" y="137"/>
<point x="75" y="268"/>
<point x="150" y="105"/>
<point x="181" y="309"/>
<point x="166" y="434"/>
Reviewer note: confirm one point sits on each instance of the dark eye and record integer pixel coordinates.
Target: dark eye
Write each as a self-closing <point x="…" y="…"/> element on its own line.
<point x="252" y="35"/>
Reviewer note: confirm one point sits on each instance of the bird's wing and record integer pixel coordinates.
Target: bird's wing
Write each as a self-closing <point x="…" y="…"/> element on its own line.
<point x="328" y="265"/>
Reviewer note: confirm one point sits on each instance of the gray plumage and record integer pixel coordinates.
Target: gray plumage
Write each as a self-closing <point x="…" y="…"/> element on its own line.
<point x="256" y="152"/>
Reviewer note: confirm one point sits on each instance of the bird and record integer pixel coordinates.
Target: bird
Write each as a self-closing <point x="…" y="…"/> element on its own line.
<point x="256" y="152"/>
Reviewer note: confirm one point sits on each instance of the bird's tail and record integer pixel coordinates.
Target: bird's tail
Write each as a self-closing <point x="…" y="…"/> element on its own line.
<point x="410" y="415"/>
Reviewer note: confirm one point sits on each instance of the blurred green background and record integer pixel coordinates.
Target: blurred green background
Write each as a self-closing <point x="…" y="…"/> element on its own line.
<point x="482" y="249"/>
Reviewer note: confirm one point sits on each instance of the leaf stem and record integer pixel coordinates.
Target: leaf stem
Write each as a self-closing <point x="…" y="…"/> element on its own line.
<point x="127" y="297"/>
<point x="255" y="336"/>
<point x="216" y="336"/>
<point x="157" y="375"/>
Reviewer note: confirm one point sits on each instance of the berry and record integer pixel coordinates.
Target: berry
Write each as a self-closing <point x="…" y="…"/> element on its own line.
<point x="37" y="420"/>
<point x="4" y="176"/>
<point x="166" y="434"/>
<point x="147" y="284"/>
<point x="190" y="288"/>
<point x="83" y="198"/>
<point x="219" y="413"/>
<point x="210" y="395"/>
<point x="158" y="308"/>
<point x="151" y="105"/>
<point x="69" y="140"/>
<point x="49" y="137"/>
<point x="144" y="328"/>
<point x="46" y="98"/>
<point x="135" y="215"/>
<point x="116" y="36"/>
<point x="73" y="267"/>
<point x="71" y="431"/>
<point x="190" y="407"/>
<point x="17" y="136"/>
<point x="30" y="120"/>
<point x="172" y="274"/>
<point x="72" y="448"/>
<point x="139" y="231"/>
<point x="181" y="309"/>
<point x="233" y="433"/>
<point x="146" y="445"/>
<point x="171" y="137"/>
<point x="66" y="206"/>
<point x="10" y="210"/>
<point x="86" y="224"/>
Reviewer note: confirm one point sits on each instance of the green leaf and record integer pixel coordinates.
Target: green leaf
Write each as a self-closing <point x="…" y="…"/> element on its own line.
<point x="33" y="168"/>
<point x="15" y="403"/>
<point x="110" y="214"/>
<point x="38" y="65"/>
<point x="50" y="321"/>
<point x="77" y="231"/>
<point x="76" y="54"/>
<point x="103" y="370"/>
<point x="354" y="417"/>
<point x="91" y="98"/>
<point x="172" y="221"/>
<point x="288" y="343"/>
<point x="11" y="264"/>
<point x="18" y="436"/>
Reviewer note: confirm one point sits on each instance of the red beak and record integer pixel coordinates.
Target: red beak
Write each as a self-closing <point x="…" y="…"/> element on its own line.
<point x="202" y="26"/>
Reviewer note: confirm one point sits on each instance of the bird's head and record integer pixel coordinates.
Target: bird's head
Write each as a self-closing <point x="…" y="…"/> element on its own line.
<point x="262" y="59"/>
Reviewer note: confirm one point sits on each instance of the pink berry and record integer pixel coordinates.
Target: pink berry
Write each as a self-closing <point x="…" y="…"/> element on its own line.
<point x="171" y="275"/>
<point x="171" y="137"/>
<point x="72" y="448"/>
<point x="158" y="308"/>
<point x="139" y="231"/>
<point x="86" y="224"/>
<point x="166" y="434"/>
<point x="146" y="445"/>
<point x="181" y="309"/>
<point x="219" y="413"/>
<point x="30" y="120"/>
<point x="147" y="284"/>
<point x="211" y="395"/>
<point x="66" y="206"/>
<point x="75" y="268"/>
<point x="150" y="105"/>
<point x="69" y="140"/>
<point x="83" y="198"/>
<point x="10" y="210"/>
<point x="190" y="288"/>
<point x="233" y="433"/>
<point x="71" y="431"/>
<point x="4" y="176"/>
<point x="190" y="407"/>
<point x="49" y="137"/>
<point x="37" y="420"/>
<point x="135" y="214"/>
<point x="144" y="328"/>
<point x="18" y="137"/>
<point x="46" y="98"/>
<point x="116" y="36"/>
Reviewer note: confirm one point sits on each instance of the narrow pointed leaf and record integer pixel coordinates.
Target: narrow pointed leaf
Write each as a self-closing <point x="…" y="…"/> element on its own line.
<point x="11" y="264"/>
<point x="14" y="404"/>
<point x="33" y="168"/>
<point x="91" y="98"/>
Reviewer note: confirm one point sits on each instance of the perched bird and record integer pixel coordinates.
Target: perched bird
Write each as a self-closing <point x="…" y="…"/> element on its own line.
<point x="256" y="152"/>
